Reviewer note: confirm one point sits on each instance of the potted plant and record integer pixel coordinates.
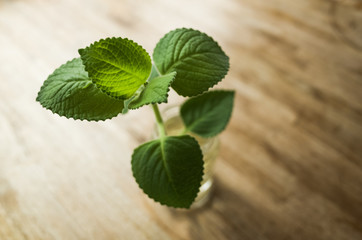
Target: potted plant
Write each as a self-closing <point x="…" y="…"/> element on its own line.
<point x="115" y="75"/>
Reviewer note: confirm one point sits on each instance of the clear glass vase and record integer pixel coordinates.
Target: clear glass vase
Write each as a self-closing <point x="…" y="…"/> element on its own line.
<point x="209" y="146"/>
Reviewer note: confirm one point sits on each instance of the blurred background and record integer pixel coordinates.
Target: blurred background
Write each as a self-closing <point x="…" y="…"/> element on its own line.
<point x="290" y="164"/>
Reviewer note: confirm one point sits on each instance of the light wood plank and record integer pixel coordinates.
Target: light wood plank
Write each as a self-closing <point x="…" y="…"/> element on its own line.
<point x="290" y="165"/>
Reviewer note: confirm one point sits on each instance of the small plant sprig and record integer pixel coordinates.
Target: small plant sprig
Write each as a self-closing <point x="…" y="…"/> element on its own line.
<point x="115" y="75"/>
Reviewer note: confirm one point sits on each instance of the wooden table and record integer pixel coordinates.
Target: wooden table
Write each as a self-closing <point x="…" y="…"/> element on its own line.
<point x="290" y="165"/>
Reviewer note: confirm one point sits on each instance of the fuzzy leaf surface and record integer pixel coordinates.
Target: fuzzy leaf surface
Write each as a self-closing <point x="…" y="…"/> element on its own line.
<point x="70" y="93"/>
<point x="118" y="66"/>
<point x="208" y="114"/>
<point x="156" y="91"/>
<point x="169" y="170"/>
<point x="199" y="61"/>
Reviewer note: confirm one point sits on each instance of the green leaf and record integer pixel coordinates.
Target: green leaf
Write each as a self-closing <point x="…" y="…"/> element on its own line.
<point x="199" y="61"/>
<point x="207" y="115"/>
<point x="117" y="66"/>
<point x="70" y="93"/>
<point x="156" y="91"/>
<point x="154" y="73"/>
<point x="129" y="100"/>
<point x="169" y="170"/>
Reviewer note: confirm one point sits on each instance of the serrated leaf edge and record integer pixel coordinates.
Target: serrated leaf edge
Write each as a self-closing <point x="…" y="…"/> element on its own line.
<point x="107" y="39"/>
<point x="62" y="113"/>
<point x="216" y="83"/>
<point x="158" y="102"/>
<point x="163" y="203"/>
<point x="228" y="119"/>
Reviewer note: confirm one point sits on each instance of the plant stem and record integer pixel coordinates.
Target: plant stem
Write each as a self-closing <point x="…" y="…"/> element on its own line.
<point x="159" y="121"/>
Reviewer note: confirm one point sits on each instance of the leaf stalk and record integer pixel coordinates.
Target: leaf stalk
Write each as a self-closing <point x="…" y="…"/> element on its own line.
<point x="159" y="121"/>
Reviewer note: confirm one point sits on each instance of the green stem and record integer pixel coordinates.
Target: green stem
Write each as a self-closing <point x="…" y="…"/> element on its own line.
<point x="159" y="121"/>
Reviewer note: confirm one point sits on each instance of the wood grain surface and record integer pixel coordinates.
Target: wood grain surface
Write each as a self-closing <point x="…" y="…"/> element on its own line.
<point x="290" y="165"/>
